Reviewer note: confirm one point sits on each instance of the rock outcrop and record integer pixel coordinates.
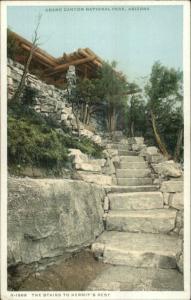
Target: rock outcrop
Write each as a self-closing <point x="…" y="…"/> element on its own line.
<point x="49" y="218"/>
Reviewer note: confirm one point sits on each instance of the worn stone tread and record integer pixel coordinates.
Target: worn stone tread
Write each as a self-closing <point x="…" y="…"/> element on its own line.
<point x="124" y="278"/>
<point x="153" y="221"/>
<point x="133" y="173"/>
<point x="126" y="189"/>
<point x="131" y="159"/>
<point x="118" y="146"/>
<point x="133" y="165"/>
<point x="134" y="181"/>
<point x="136" y="200"/>
<point x="123" y="152"/>
<point x="138" y="249"/>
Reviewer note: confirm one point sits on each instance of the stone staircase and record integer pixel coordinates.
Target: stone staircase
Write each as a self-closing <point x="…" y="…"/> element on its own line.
<point x="137" y="240"/>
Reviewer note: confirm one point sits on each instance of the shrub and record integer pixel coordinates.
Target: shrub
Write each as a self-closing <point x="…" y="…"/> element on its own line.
<point x="31" y="144"/>
<point x="34" y="140"/>
<point x="29" y="95"/>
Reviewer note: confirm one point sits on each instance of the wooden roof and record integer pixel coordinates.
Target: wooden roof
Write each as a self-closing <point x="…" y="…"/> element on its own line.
<point x="53" y="70"/>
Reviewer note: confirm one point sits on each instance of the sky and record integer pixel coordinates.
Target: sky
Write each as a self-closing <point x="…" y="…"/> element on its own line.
<point x="133" y="38"/>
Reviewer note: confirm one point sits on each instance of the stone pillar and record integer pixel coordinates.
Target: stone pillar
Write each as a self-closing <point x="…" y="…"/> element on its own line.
<point x="71" y="80"/>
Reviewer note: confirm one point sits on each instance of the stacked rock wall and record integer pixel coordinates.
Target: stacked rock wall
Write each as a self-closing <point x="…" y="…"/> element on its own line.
<point x="168" y="175"/>
<point x="49" y="100"/>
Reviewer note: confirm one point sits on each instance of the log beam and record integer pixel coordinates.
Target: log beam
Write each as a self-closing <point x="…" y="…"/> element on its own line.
<point x="39" y="55"/>
<point x="84" y="53"/>
<point x="64" y="67"/>
<point x="22" y="40"/>
<point x="89" y="51"/>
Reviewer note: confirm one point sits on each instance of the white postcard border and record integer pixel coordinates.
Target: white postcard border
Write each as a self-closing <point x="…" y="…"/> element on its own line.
<point x="186" y="67"/>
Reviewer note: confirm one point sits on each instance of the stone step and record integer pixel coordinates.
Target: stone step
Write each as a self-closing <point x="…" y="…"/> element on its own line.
<point x="136" y="200"/>
<point x="127" y="153"/>
<point x="129" y="189"/>
<point x="124" y="278"/>
<point x="134" y="181"/>
<point x="125" y="159"/>
<point x="119" y="146"/>
<point x="133" y="165"/>
<point x="153" y="221"/>
<point x="133" y="173"/>
<point x="138" y="250"/>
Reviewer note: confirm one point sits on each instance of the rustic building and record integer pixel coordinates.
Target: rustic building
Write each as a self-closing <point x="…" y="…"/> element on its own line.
<point x="53" y="70"/>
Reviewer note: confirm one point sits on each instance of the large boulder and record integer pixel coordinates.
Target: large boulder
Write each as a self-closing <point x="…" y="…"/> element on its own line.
<point x="82" y="162"/>
<point x="168" y="169"/>
<point x="152" y="154"/>
<point x="99" y="179"/>
<point x="77" y="156"/>
<point x="109" y="167"/>
<point x="96" y="139"/>
<point x="149" y="151"/>
<point x="136" y="143"/>
<point x="136" y="140"/>
<point x="51" y="217"/>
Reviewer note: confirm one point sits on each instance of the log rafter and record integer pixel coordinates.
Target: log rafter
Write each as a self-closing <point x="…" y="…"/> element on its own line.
<point x="65" y="66"/>
<point x="54" y="69"/>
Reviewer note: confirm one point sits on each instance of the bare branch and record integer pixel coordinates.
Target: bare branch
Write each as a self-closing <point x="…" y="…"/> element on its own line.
<point x="35" y="44"/>
<point x="36" y="37"/>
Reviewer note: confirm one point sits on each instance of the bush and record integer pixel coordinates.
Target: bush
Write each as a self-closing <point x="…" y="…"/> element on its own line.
<point x="31" y="144"/>
<point x="29" y="95"/>
<point x="34" y="140"/>
<point x="90" y="148"/>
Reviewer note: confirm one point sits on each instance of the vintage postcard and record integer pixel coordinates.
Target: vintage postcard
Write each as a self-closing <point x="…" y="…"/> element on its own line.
<point x="95" y="150"/>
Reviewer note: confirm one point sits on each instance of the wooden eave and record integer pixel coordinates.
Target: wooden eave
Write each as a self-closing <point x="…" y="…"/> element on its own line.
<point x="54" y="69"/>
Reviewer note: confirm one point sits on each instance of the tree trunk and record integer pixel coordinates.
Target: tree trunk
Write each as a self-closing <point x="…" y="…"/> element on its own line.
<point x="178" y="145"/>
<point x="131" y="125"/>
<point x="17" y="95"/>
<point x="85" y="114"/>
<point x="90" y="111"/>
<point x="82" y="112"/>
<point x="88" y="117"/>
<point x="132" y="129"/>
<point x="111" y="119"/>
<point x="161" y="145"/>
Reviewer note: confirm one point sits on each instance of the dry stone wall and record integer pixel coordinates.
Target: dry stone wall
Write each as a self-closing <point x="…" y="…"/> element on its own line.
<point x="168" y="175"/>
<point x="49" y="100"/>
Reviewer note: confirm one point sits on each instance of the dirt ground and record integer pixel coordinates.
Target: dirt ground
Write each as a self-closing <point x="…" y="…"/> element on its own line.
<point x="75" y="274"/>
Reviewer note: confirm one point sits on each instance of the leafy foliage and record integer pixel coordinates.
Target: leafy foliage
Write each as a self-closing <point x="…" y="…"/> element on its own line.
<point x="165" y="101"/>
<point x="135" y="111"/>
<point x="36" y="141"/>
<point x="28" y="96"/>
<point x="33" y="144"/>
<point x="106" y="93"/>
<point x="87" y="94"/>
<point x="112" y="85"/>
<point x="164" y="86"/>
<point x="136" y="118"/>
<point x="113" y="91"/>
<point x="87" y="90"/>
